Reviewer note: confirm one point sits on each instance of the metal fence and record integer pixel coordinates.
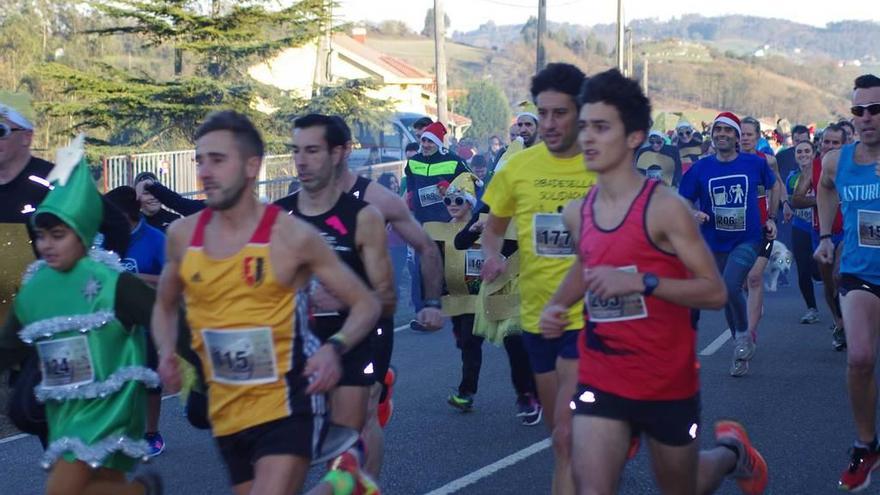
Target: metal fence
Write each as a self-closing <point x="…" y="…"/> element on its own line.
<point x="177" y="170"/>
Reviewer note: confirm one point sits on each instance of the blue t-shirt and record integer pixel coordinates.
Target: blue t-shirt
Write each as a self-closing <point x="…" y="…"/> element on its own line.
<point x="728" y="193"/>
<point x="146" y="251"/>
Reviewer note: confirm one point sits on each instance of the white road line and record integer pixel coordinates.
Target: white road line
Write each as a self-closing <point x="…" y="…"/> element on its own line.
<point x="401" y="327"/>
<point x="14" y="438"/>
<point x="716" y="344"/>
<point x="491" y="469"/>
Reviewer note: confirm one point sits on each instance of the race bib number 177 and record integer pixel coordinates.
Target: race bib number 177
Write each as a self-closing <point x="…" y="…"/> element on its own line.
<point x="550" y="237"/>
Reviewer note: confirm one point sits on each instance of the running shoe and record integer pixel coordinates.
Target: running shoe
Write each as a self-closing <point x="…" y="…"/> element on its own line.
<point x="152" y="482"/>
<point x="156" y="443"/>
<point x="838" y="338"/>
<point x="745" y="346"/>
<point x="386" y="407"/>
<point x="529" y="410"/>
<point x="739" y="367"/>
<point x="857" y="475"/>
<point x="810" y="317"/>
<point x="349" y="463"/>
<point x="750" y="471"/>
<point x="462" y="402"/>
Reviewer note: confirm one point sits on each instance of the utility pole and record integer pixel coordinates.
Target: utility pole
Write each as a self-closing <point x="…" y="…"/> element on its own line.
<point x="629" y="53"/>
<point x="440" y="61"/>
<point x="322" y="74"/>
<point x="620" y="43"/>
<point x="542" y="31"/>
<point x="645" y="73"/>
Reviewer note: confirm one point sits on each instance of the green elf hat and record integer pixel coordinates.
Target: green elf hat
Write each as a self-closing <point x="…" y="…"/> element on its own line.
<point x="74" y="198"/>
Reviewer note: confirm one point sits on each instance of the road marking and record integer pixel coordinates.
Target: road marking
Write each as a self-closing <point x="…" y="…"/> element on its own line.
<point x="716" y="344"/>
<point x="14" y="438"/>
<point x="491" y="469"/>
<point x="401" y="327"/>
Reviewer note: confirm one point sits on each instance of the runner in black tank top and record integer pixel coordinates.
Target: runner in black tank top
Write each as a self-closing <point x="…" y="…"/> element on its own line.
<point x="383" y="339"/>
<point x="338" y="227"/>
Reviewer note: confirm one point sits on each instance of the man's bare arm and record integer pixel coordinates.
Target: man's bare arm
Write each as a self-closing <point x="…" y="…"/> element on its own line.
<point x="373" y="244"/>
<point x="827" y="199"/>
<point x="166" y="310"/>
<point x="572" y="288"/>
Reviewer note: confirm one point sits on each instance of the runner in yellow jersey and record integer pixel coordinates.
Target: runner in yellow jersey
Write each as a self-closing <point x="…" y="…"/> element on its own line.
<point x="531" y="189"/>
<point x="239" y="266"/>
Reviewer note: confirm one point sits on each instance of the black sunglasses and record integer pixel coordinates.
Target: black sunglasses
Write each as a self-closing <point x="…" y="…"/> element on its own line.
<point x="6" y="131"/>
<point x="859" y="110"/>
<point x="655" y="141"/>
<point x="685" y="133"/>
<point x="458" y="201"/>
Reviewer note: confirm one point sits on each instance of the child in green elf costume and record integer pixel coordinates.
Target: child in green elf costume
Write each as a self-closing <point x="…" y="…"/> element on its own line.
<point x="85" y="317"/>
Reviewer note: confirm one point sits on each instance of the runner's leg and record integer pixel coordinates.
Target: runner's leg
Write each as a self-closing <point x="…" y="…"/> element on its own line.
<point x="563" y="482"/>
<point x="801" y="244"/>
<point x="348" y="406"/>
<point x="675" y="467"/>
<point x="861" y="312"/>
<point x="278" y="475"/>
<point x="599" y="454"/>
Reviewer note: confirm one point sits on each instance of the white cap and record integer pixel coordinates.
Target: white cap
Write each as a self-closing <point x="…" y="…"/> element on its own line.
<point x="15" y="117"/>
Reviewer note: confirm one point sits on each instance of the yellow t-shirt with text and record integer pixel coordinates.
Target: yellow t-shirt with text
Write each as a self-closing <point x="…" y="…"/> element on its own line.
<point x="533" y="187"/>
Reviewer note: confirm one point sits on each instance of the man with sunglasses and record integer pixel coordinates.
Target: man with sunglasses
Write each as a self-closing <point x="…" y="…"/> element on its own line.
<point x="850" y="179"/>
<point x="658" y="160"/>
<point x="23" y="187"/>
<point x="689" y="144"/>
<point x="434" y="163"/>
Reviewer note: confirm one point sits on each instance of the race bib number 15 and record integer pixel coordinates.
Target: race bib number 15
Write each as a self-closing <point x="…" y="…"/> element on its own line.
<point x="869" y="228"/>
<point x="550" y="237"/>
<point x="241" y="356"/>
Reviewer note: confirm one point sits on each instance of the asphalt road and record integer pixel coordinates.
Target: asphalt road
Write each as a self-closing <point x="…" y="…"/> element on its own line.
<point x="793" y="403"/>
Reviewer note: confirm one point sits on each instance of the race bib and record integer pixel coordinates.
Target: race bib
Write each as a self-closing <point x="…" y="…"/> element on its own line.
<point x="473" y="262"/>
<point x="631" y="307"/>
<point x="730" y="219"/>
<point x="66" y="362"/>
<point x="241" y="357"/>
<point x="430" y="195"/>
<point x="729" y="195"/>
<point x="869" y="228"/>
<point x="550" y="237"/>
<point x="805" y="214"/>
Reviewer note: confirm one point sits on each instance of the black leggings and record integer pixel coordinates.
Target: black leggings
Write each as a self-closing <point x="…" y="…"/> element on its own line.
<point x="802" y="249"/>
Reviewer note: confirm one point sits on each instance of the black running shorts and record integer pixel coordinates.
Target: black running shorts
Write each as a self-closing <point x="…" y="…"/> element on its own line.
<point x="293" y="435"/>
<point x="850" y="283"/>
<point x="672" y="422"/>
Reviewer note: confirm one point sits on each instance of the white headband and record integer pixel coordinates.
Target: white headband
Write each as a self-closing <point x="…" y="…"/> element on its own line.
<point x="527" y="114"/>
<point x="15" y="117"/>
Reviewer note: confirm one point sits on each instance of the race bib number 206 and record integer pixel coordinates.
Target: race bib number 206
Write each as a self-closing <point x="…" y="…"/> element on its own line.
<point x="550" y="236"/>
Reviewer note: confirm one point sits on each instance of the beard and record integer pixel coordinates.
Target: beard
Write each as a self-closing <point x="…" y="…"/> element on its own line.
<point x="230" y="196"/>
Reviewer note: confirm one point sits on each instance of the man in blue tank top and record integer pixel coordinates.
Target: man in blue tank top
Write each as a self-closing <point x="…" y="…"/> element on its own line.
<point x="850" y="178"/>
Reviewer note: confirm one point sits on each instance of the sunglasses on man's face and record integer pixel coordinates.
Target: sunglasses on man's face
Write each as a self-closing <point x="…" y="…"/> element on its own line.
<point x="458" y="201"/>
<point x="685" y="133"/>
<point x="6" y="130"/>
<point x="655" y="141"/>
<point x="859" y="110"/>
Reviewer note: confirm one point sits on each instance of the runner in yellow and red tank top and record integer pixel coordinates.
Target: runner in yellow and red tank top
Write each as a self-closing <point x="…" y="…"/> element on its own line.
<point x="239" y="266"/>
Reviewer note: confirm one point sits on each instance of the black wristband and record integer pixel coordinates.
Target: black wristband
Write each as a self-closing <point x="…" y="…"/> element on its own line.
<point x="825" y="236"/>
<point x="432" y="303"/>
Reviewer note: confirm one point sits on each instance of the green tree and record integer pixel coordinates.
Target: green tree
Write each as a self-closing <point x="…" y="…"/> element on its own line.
<point x="136" y="110"/>
<point x="428" y="30"/>
<point x="488" y="110"/>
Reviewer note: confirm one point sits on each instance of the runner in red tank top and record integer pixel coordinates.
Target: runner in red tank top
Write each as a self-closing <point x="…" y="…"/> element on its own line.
<point x="638" y="366"/>
<point x="832" y="139"/>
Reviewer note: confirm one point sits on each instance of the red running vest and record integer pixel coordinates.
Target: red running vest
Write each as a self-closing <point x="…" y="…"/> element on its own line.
<point x="637" y="347"/>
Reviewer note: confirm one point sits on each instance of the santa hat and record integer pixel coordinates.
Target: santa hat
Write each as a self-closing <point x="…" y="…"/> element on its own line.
<point x="728" y="118"/>
<point x="436" y="132"/>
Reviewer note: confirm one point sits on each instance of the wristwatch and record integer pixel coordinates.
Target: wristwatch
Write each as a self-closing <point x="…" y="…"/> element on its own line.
<point x="651" y="282"/>
<point x="337" y="342"/>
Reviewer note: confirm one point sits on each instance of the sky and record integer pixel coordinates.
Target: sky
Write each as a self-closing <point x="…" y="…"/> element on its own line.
<point x="467" y="15"/>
